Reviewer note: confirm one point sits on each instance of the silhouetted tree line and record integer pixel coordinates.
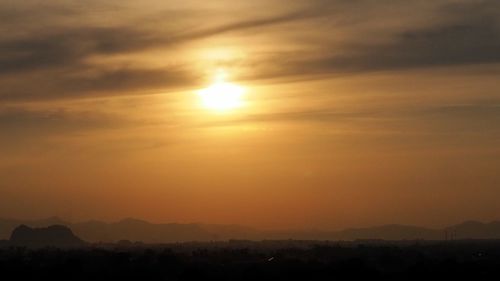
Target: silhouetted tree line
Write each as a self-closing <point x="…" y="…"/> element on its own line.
<point x="475" y="260"/>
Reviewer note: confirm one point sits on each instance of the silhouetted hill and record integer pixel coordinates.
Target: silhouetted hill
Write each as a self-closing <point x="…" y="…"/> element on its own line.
<point x="8" y="225"/>
<point x="54" y="235"/>
<point x="139" y="230"/>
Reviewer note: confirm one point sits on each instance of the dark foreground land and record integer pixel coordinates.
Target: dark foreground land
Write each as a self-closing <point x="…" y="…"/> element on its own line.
<point x="267" y="260"/>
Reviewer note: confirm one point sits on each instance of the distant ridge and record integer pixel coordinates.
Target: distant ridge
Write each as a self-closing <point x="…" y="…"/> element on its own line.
<point x="133" y="230"/>
<point x="475" y="230"/>
<point x="139" y="230"/>
<point x="392" y="232"/>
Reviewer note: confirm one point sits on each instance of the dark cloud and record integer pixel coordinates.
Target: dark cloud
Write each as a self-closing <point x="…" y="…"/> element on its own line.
<point x="55" y="64"/>
<point x="89" y="81"/>
<point x="459" y="44"/>
<point x="128" y="79"/>
<point x="248" y="24"/>
<point x="465" y="33"/>
<point x="455" y="44"/>
<point x="67" y="48"/>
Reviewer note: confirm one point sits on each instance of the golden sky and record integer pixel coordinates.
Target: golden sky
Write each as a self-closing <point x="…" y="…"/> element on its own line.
<point x="274" y="114"/>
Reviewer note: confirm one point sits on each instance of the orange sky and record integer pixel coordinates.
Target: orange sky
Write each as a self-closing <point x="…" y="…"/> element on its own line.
<point x="354" y="113"/>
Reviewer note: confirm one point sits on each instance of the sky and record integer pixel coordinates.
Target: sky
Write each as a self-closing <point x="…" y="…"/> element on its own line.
<point x="349" y="113"/>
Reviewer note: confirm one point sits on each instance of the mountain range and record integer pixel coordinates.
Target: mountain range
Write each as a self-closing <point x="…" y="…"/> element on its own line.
<point x="140" y="230"/>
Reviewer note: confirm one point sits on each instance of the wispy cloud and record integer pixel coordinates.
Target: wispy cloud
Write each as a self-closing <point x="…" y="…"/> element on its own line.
<point x="333" y="37"/>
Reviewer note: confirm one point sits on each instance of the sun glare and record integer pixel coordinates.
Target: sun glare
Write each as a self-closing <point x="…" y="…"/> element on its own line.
<point x="222" y="95"/>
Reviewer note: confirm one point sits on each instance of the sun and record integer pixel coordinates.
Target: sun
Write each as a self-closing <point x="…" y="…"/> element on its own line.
<point x="222" y="95"/>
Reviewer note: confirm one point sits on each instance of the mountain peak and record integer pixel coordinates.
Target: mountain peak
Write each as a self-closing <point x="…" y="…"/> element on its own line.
<point x="53" y="235"/>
